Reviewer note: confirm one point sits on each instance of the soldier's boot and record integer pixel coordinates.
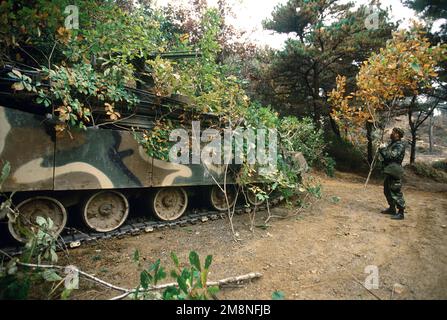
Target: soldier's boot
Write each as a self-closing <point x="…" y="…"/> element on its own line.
<point x="390" y="210"/>
<point x="399" y="215"/>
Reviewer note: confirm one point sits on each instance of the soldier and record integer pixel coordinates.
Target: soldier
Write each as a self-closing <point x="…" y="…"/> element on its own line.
<point x="392" y="157"/>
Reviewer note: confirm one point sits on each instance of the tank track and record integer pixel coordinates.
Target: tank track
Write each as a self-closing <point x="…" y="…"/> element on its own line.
<point x="73" y="238"/>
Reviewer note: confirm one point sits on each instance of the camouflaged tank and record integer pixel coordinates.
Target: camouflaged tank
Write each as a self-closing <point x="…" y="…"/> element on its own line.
<point x="95" y="172"/>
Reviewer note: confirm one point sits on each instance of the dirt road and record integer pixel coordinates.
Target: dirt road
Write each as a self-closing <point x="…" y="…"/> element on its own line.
<point x="319" y="254"/>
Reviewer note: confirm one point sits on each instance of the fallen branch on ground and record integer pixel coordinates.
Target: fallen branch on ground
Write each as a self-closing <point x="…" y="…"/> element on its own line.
<point x="127" y="292"/>
<point x="85" y="274"/>
<point x="219" y="283"/>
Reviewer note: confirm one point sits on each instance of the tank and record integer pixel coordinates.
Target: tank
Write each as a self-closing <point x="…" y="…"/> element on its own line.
<point x="98" y="174"/>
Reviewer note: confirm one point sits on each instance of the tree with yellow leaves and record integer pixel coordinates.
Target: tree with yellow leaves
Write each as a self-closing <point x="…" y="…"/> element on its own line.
<point x="404" y="69"/>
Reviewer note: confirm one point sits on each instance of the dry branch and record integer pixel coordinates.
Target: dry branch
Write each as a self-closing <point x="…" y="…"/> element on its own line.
<point x="127" y="292"/>
<point x="219" y="283"/>
<point x="85" y="274"/>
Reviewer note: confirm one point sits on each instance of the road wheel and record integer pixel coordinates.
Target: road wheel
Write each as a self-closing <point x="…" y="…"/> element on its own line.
<point x="169" y="203"/>
<point x="105" y="211"/>
<point x="32" y="208"/>
<point x="218" y="200"/>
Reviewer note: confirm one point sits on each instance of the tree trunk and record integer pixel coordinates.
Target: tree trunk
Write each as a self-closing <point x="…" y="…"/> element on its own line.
<point x="413" y="146"/>
<point x="316" y="95"/>
<point x="334" y="127"/>
<point x="413" y="130"/>
<point x="369" y="131"/>
<point x="430" y="132"/>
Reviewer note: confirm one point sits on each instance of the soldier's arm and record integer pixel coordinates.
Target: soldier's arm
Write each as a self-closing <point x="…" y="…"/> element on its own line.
<point x="383" y="152"/>
<point x="395" y="152"/>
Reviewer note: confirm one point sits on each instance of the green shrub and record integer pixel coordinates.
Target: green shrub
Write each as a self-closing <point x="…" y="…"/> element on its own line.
<point x="302" y="135"/>
<point x="191" y="280"/>
<point x="440" y="165"/>
<point x="428" y="170"/>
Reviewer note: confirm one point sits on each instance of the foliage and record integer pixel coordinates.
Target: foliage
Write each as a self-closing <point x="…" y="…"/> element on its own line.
<point x="404" y="68"/>
<point x="92" y="67"/>
<point x="430" y="10"/>
<point x="278" y="295"/>
<point x="440" y="165"/>
<point x="17" y="280"/>
<point x="22" y="81"/>
<point x="156" y="141"/>
<point x="330" y="38"/>
<point x="433" y="171"/>
<point x="6" y="207"/>
<point x="335" y="199"/>
<point x="79" y="87"/>
<point x="149" y="277"/>
<point x="187" y="17"/>
<point x="87" y="74"/>
<point x="203" y="80"/>
<point x="221" y="94"/>
<point x="303" y="136"/>
<point x="166" y="80"/>
<point x="314" y="189"/>
<point x="82" y="68"/>
<point x="191" y="280"/>
<point x="293" y="136"/>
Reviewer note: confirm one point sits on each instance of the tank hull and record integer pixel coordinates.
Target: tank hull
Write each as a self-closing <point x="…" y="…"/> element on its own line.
<point x="85" y="159"/>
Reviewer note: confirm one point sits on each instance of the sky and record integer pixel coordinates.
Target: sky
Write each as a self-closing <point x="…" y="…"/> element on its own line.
<point x="249" y="15"/>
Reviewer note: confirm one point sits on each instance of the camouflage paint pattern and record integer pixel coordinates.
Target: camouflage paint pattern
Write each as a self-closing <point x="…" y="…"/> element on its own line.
<point x="25" y="143"/>
<point x="88" y="159"/>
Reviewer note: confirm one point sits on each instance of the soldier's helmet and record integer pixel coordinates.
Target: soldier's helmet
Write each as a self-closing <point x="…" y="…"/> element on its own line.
<point x="399" y="131"/>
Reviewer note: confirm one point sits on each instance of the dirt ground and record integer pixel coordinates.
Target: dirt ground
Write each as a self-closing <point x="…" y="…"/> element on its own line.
<point x="320" y="253"/>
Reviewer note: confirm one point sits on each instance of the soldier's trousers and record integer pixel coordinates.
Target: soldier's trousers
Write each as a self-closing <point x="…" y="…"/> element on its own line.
<point x="393" y="193"/>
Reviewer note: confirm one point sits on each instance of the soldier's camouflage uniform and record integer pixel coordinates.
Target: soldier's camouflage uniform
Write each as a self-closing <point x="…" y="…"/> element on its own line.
<point x="393" y="154"/>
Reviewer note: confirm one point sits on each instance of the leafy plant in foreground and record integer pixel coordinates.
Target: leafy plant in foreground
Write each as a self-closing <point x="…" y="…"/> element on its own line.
<point x="191" y="280"/>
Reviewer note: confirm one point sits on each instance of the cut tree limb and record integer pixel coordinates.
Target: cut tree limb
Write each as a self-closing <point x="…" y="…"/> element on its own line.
<point x="127" y="292"/>
<point x="219" y="283"/>
<point x="85" y="274"/>
<point x="381" y="140"/>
